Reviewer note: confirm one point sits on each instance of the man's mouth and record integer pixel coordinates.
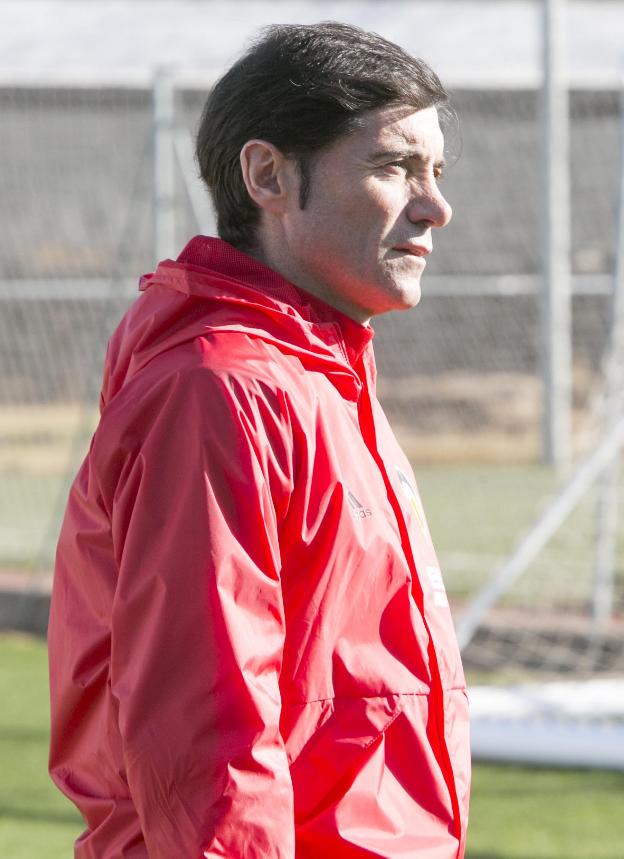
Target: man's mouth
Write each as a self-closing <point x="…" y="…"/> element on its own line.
<point x="417" y="250"/>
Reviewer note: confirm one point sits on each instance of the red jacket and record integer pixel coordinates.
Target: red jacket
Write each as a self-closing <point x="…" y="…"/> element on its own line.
<point x="251" y="650"/>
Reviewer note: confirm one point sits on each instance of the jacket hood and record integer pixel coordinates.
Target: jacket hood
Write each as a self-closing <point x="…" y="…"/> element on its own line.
<point x="213" y="286"/>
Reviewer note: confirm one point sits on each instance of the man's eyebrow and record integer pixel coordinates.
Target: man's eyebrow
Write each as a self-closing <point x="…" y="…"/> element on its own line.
<point x="407" y="153"/>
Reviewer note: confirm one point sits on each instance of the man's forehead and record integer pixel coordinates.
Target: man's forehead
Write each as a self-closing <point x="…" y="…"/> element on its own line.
<point x="394" y="127"/>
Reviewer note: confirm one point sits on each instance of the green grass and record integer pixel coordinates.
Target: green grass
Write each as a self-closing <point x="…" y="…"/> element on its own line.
<point x="481" y="508"/>
<point x="35" y="820"/>
<point x="479" y="513"/>
<point x="527" y="813"/>
<point x="517" y="813"/>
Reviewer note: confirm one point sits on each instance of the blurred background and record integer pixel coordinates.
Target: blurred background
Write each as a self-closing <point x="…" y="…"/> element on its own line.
<point x="505" y="385"/>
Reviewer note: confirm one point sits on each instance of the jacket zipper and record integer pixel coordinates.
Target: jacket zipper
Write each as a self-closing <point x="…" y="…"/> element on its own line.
<point x="367" y="428"/>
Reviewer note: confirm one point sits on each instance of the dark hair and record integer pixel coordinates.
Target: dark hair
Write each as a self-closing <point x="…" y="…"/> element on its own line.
<point x="300" y="87"/>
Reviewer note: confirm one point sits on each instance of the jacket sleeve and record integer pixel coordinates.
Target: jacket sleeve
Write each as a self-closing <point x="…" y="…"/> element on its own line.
<point x="198" y="625"/>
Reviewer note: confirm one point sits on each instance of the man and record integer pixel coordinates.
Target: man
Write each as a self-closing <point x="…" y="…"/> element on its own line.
<point x="251" y="650"/>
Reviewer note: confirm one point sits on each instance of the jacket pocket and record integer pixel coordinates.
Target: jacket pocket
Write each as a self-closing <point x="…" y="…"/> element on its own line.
<point x="328" y="743"/>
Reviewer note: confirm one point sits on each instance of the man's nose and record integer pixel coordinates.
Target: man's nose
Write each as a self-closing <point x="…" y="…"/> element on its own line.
<point x="431" y="206"/>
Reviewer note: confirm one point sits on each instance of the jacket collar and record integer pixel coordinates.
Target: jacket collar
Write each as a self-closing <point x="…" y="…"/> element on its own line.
<point x="217" y="255"/>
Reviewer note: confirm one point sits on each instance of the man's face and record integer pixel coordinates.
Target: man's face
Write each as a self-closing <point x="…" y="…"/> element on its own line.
<point x="362" y="239"/>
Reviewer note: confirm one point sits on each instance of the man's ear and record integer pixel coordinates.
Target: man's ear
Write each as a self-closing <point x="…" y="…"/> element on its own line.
<point x="267" y="174"/>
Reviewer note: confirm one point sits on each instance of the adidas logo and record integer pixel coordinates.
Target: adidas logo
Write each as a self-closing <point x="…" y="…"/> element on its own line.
<point x="358" y="511"/>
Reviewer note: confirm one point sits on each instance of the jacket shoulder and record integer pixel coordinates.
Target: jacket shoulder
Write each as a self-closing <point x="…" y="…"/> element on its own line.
<point x="193" y="395"/>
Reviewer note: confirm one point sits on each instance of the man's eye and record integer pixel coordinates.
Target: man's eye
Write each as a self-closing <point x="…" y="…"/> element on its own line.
<point x="397" y="164"/>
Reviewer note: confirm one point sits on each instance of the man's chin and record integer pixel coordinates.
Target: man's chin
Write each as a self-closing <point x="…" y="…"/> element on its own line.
<point x="404" y="288"/>
<point x="410" y="294"/>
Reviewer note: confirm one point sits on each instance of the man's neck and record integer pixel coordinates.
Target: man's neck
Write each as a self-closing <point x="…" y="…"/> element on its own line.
<point x="280" y="264"/>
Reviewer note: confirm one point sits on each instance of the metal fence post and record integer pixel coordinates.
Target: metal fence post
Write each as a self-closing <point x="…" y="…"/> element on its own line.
<point x="613" y="406"/>
<point x="164" y="164"/>
<point x="555" y="304"/>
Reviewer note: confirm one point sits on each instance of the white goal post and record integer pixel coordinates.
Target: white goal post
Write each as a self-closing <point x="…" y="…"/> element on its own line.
<point x="563" y="724"/>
